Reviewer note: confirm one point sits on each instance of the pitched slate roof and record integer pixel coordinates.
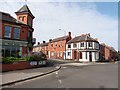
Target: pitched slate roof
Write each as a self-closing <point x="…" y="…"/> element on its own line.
<point x="24" y="9"/>
<point x="44" y="44"/>
<point x="83" y="37"/>
<point x="60" y="39"/>
<point x="109" y="47"/>
<point x="41" y="45"/>
<point x="7" y="17"/>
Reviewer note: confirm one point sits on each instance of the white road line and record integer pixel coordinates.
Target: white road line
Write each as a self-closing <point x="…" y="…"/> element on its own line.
<point x="57" y="72"/>
<point x="60" y="81"/>
<point x="64" y="67"/>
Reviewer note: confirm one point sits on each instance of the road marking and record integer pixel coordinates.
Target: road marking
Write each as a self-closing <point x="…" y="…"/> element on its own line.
<point x="64" y="67"/>
<point x="57" y="67"/>
<point x="60" y="81"/>
<point x="57" y="72"/>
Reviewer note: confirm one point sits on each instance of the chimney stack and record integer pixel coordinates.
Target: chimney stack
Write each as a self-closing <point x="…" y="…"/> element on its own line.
<point x="43" y="41"/>
<point x="38" y="43"/>
<point x="69" y="34"/>
<point x="50" y="40"/>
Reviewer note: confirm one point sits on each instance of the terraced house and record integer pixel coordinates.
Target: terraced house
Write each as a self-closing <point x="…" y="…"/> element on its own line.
<point x="83" y="48"/>
<point x="41" y="47"/>
<point x="17" y="34"/>
<point x="107" y="53"/>
<point x="57" y="47"/>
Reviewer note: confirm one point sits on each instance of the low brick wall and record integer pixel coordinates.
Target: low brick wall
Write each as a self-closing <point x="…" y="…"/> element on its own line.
<point x="21" y="65"/>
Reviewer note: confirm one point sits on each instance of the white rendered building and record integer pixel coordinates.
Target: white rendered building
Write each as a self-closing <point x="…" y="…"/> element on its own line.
<point x="83" y="48"/>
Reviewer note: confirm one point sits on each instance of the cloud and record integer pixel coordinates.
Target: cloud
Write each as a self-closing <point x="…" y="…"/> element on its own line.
<point x="75" y="17"/>
<point x="70" y="16"/>
<point x="61" y="0"/>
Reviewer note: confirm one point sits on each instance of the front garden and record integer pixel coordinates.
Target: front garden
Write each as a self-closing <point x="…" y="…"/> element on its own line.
<point x="27" y="61"/>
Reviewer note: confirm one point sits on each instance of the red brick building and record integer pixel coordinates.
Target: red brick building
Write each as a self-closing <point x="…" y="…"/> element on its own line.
<point x="17" y="34"/>
<point x="57" y="47"/>
<point x="107" y="53"/>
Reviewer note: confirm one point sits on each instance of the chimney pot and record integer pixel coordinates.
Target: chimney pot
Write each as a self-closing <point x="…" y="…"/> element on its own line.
<point x="69" y="34"/>
<point x="38" y="43"/>
<point x="50" y="40"/>
<point x="43" y="41"/>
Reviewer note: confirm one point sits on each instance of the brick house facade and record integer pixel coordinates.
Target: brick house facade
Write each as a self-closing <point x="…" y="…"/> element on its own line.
<point x="107" y="53"/>
<point x="57" y="47"/>
<point x="17" y="34"/>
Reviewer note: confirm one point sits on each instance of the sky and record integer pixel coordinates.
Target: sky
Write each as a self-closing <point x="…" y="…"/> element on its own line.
<point x="97" y="17"/>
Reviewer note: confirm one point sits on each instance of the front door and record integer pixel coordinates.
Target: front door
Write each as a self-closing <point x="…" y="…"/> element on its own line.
<point x="75" y="53"/>
<point x="90" y="56"/>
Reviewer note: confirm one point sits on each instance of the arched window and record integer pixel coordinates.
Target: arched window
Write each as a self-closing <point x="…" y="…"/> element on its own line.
<point x="20" y="18"/>
<point x="23" y="18"/>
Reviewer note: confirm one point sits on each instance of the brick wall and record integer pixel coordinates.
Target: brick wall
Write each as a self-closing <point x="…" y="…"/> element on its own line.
<point x="57" y="48"/>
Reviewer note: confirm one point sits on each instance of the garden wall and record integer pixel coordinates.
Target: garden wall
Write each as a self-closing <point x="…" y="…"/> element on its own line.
<point x="19" y="65"/>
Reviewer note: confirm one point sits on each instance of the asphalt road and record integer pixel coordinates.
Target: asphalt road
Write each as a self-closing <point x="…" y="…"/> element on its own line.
<point x="91" y="76"/>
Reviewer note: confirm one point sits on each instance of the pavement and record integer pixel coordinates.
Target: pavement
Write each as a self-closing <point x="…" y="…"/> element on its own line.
<point x="12" y="77"/>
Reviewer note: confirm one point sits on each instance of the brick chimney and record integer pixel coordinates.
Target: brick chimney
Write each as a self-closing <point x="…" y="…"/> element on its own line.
<point x="69" y="34"/>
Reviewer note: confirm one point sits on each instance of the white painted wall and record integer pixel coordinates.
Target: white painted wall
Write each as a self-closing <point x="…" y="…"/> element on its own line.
<point x="95" y="45"/>
<point x="84" y="57"/>
<point x="48" y="54"/>
<point x="93" y="56"/>
<point x="70" y="56"/>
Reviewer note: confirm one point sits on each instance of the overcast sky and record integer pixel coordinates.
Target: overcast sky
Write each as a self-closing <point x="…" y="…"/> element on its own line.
<point x="96" y="17"/>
